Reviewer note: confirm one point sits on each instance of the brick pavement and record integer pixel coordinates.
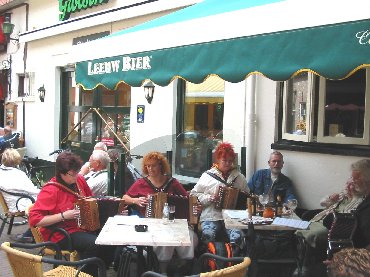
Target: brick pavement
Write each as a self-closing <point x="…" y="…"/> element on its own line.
<point x="5" y="270"/>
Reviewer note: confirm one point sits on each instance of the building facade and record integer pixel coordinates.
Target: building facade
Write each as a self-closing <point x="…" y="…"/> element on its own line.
<point x="320" y="125"/>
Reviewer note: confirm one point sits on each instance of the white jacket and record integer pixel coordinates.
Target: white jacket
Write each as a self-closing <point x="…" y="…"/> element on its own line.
<point x="207" y="186"/>
<point x="15" y="180"/>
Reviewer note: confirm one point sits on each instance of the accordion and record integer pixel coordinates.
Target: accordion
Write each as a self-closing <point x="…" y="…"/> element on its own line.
<point x="94" y="212"/>
<point x="231" y="198"/>
<point x="186" y="206"/>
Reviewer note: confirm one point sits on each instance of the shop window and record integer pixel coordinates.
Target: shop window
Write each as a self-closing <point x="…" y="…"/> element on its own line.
<point x="96" y="115"/>
<point x="316" y="109"/>
<point x="21" y="81"/>
<point x="201" y="125"/>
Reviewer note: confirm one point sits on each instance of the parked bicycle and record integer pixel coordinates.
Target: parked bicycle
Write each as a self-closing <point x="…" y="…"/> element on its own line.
<point x="35" y="171"/>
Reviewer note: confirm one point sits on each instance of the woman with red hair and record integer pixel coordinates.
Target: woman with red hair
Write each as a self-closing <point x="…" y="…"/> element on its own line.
<point x="222" y="173"/>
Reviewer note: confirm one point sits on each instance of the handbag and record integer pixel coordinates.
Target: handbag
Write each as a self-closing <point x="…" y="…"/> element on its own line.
<point x="275" y="244"/>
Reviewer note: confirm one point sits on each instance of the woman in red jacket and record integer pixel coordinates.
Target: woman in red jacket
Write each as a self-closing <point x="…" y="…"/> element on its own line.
<point x="55" y="206"/>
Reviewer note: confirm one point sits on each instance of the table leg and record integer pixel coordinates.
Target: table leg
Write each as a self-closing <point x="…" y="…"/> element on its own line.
<point x="141" y="261"/>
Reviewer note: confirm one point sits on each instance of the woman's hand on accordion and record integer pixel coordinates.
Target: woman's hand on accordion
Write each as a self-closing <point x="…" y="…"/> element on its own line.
<point x="199" y="208"/>
<point x="214" y="198"/>
<point x="71" y="214"/>
<point x="141" y="201"/>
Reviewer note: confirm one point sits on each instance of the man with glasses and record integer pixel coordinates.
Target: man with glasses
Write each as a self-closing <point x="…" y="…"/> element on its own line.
<point x="271" y="181"/>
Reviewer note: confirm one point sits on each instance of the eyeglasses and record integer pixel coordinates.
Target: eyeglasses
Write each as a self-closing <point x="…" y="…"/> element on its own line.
<point x="72" y="175"/>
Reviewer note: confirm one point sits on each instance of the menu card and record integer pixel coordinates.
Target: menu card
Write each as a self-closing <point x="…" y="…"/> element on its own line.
<point x="295" y="223"/>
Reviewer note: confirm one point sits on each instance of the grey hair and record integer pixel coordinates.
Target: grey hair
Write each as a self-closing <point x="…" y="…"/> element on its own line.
<point x="363" y="166"/>
<point x="276" y="153"/>
<point x="101" y="156"/>
<point x="101" y="146"/>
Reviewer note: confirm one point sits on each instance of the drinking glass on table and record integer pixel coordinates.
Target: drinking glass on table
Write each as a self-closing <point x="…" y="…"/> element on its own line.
<point x="172" y="209"/>
<point x="264" y="199"/>
<point x="292" y="205"/>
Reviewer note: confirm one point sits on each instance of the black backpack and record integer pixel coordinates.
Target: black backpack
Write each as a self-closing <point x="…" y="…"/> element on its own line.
<point x="127" y="258"/>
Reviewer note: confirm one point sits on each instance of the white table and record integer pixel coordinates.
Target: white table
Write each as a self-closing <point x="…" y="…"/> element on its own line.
<point x="235" y="222"/>
<point x="120" y="230"/>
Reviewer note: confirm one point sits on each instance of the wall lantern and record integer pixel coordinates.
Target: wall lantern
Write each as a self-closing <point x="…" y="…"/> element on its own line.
<point x="8" y="28"/>
<point x="149" y="91"/>
<point x="42" y="91"/>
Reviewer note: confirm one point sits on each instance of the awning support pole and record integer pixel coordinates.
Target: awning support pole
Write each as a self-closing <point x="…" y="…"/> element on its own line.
<point x="251" y="122"/>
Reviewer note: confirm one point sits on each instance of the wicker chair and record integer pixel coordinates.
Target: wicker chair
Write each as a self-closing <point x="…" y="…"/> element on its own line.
<point x="69" y="254"/>
<point x="237" y="270"/>
<point x="31" y="265"/>
<point x="8" y="216"/>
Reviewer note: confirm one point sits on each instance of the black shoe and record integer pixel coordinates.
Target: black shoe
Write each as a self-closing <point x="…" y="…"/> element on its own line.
<point x="20" y="238"/>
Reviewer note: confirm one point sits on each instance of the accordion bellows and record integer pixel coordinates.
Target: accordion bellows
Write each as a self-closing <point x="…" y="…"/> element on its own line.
<point x="186" y="206"/>
<point x="94" y="212"/>
<point x="232" y="198"/>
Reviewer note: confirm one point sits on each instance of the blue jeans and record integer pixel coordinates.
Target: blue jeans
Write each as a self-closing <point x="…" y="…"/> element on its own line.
<point x="213" y="229"/>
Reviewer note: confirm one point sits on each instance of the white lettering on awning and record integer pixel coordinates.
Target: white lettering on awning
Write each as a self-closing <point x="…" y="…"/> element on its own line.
<point x="363" y="37"/>
<point x="138" y="63"/>
<point x="103" y="68"/>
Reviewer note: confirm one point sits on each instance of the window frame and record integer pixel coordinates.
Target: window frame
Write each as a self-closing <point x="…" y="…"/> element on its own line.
<point x="365" y="140"/>
<point x="314" y="146"/>
<point x="309" y="111"/>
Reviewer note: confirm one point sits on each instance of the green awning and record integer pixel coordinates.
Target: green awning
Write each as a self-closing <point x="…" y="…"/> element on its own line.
<point x="331" y="50"/>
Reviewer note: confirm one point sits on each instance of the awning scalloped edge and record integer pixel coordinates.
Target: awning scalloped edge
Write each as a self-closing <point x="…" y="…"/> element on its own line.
<point x="249" y="74"/>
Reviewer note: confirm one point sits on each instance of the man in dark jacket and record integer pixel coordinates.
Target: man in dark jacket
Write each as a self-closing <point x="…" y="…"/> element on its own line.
<point x="271" y="180"/>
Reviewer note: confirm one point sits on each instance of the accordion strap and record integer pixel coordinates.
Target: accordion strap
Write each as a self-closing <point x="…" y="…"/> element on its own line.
<point x="64" y="188"/>
<point x="221" y="180"/>
<point x="163" y="188"/>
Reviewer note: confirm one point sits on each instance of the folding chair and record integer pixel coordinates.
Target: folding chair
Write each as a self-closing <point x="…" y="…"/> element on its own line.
<point x="341" y="232"/>
<point x="8" y="216"/>
<point x="239" y="269"/>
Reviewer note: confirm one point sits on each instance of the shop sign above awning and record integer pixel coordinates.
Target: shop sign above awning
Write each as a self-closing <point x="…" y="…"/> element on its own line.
<point x="277" y="39"/>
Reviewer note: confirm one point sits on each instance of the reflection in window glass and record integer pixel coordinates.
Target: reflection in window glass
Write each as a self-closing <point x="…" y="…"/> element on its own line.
<point x="87" y="128"/>
<point x="203" y="125"/>
<point x="345" y="106"/>
<point x="297" y="94"/>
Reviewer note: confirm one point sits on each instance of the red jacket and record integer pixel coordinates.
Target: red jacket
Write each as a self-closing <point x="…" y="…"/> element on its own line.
<point x="54" y="200"/>
<point x="142" y="189"/>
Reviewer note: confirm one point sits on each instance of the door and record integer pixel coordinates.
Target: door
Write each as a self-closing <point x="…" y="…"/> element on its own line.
<point x="89" y="116"/>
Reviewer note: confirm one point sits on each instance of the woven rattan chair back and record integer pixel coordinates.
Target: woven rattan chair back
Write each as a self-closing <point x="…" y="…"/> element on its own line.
<point x="237" y="270"/>
<point x="31" y="265"/>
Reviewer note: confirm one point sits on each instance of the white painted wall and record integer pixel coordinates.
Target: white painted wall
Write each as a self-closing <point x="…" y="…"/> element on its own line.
<point x="159" y="117"/>
<point x="234" y="115"/>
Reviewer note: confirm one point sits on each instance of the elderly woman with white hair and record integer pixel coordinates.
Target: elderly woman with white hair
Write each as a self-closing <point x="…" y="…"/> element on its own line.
<point x="15" y="180"/>
<point x="361" y="179"/>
